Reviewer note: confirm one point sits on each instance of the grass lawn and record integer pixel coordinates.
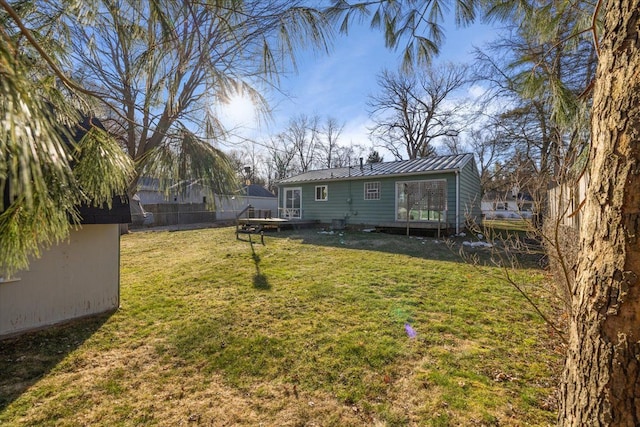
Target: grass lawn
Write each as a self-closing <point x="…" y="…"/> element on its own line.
<point x="507" y="227"/>
<point x="309" y="329"/>
<point x="508" y="224"/>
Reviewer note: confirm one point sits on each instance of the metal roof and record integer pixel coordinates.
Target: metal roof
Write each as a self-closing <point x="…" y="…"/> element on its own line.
<point x="402" y="167"/>
<point x="256" y="190"/>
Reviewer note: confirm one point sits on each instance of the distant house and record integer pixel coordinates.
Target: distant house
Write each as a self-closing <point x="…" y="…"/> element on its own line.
<point x="150" y="206"/>
<point x="511" y="204"/>
<point x="156" y="208"/>
<point x="73" y="279"/>
<point x="149" y="192"/>
<point x="430" y="193"/>
<point x="263" y="202"/>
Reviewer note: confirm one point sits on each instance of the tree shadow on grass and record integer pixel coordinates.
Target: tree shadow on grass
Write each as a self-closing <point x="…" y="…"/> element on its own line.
<point x="449" y="249"/>
<point x="260" y="280"/>
<point x="425" y="247"/>
<point x="26" y="358"/>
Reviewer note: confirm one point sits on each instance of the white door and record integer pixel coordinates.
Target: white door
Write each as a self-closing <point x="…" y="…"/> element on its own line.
<point x="292" y="203"/>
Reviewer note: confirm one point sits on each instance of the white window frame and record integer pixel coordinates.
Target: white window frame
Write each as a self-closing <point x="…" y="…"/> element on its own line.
<point x="325" y="193"/>
<point x="291" y="212"/>
<point x="372" y="190"/>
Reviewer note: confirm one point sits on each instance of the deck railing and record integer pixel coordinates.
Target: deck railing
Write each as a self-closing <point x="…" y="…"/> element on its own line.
<point x="290" y="213"/>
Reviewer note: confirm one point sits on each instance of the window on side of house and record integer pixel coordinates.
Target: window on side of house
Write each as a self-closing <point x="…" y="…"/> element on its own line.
<point x="372" y="191"/>
<point x="322" y="193"/>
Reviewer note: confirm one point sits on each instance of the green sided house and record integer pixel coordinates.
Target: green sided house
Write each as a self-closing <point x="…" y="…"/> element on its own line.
<point x="430" y="193"/>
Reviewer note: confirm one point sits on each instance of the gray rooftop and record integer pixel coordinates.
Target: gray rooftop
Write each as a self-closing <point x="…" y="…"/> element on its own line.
<point x="256" y="190"/>
<point x="402" y="167"/>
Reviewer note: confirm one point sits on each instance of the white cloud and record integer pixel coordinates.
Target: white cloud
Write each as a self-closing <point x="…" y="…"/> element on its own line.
<point x="476" y="91"/>
<point x="356" y="131"/>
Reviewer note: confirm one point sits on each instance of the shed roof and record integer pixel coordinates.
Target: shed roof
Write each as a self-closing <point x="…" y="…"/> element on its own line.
<point x="397" y="168"/>
<point x="118" y="213"/>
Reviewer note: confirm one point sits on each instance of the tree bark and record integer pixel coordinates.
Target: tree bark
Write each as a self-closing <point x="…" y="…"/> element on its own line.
<point x="601" y="382"/>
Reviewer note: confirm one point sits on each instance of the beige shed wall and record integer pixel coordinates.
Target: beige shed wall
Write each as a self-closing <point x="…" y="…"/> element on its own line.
<point x="76" y="278"/>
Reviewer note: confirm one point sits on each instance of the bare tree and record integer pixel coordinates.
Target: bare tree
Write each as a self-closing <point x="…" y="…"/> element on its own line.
<point x="303" y="135"/>
<point x="348" y="155"/>
<point x="237" y="160"/>
<point x="254" y="162"/>
<point x="159" y="68"/>
<point x="330" y="131"/>
<point x="280" y="160"/>
<point x="412" y="111"/>
<point x="491" y="149"/>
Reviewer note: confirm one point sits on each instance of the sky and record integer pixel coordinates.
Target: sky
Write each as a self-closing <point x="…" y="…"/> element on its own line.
<point x="338" y="84"/>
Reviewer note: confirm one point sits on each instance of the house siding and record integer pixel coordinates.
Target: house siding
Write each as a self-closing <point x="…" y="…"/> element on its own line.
<point x="470" y="194"/>
<point x="346" y="200"/>
<point x="73" y="279"/>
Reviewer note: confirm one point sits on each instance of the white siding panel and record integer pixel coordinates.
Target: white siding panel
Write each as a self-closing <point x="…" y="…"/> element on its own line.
<point x="73" y="279"/>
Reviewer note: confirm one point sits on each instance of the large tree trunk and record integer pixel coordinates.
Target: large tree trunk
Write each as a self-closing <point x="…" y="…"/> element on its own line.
<point x="601" y="384"/>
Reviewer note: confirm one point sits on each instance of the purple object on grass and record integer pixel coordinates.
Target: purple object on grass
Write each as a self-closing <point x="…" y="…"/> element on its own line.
<point x="411" y="333"/>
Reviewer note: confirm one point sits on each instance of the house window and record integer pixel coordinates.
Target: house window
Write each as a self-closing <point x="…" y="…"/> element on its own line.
<point x="421" y="200"/>
<point x="322" y="193"/>
<point x="372" y="191"/>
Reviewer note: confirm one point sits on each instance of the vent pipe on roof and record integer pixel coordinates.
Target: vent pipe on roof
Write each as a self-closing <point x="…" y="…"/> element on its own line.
<point x="361" y="163"/>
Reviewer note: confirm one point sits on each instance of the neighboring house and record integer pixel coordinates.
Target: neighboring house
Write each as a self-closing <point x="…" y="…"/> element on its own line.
<point x="149" y="193"/>
<point x="192" y="206"/>
<point x="434" y="192"/>
<point x="150" y="206"/>
<point x="511" y="204"/>
<point x="72" y="279"/>
<point x="263" y="202"/>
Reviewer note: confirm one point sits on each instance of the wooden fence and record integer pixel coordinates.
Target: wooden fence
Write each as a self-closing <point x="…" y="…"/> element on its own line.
<point x="566" y="200"/>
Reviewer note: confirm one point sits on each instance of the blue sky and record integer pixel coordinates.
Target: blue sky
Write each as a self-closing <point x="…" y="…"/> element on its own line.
<point x="339" y="83"/>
